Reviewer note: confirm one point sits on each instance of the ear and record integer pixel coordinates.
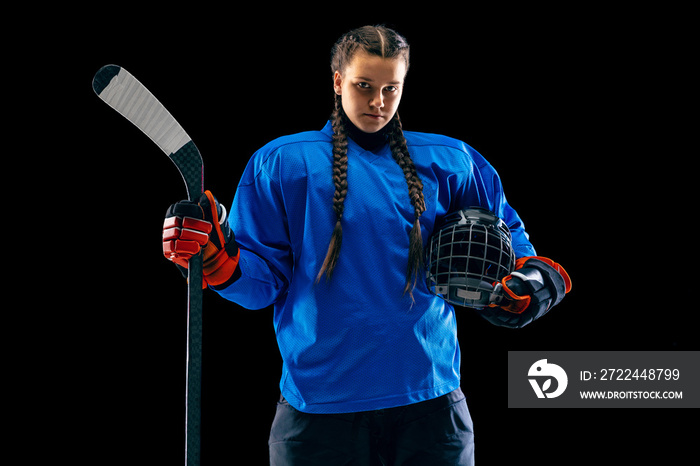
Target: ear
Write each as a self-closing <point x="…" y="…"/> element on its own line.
<point x="338" y="83"/>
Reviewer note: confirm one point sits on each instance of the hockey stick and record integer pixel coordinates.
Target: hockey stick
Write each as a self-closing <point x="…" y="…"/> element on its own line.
<point x="124" y="93"/>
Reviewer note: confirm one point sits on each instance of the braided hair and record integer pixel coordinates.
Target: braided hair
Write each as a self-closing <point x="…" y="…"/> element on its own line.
<point x="385" y="43"/>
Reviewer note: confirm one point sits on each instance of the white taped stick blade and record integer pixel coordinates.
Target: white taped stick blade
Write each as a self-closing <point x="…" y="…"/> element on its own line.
<point x="124" y="93"/>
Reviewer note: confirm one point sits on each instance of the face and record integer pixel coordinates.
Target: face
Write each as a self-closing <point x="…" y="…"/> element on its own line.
<point x="371" y="87"/>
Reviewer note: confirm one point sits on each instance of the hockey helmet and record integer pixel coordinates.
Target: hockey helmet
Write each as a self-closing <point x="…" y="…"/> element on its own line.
<point x="466" y="255"/>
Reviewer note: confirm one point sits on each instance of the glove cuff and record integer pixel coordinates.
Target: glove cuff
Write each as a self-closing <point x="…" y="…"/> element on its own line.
<point x="221" y="255"/>
<point x="555" y="278"/>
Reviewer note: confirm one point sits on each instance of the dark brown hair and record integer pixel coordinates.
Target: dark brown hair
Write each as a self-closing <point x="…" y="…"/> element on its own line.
<point x="385" y="43"/>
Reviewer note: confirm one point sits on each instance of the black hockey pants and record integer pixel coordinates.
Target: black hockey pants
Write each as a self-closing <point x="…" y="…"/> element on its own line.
<point x="432" y="433"/>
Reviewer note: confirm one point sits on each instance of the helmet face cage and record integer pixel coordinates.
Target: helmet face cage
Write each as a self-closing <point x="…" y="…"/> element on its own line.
<point x="470" y="252"/>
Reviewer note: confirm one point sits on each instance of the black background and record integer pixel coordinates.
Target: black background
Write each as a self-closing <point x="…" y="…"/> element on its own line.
<point x="570" y="107"/>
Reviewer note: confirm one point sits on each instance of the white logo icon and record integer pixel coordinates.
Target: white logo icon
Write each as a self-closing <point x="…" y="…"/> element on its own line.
<point x="545" y="371"/>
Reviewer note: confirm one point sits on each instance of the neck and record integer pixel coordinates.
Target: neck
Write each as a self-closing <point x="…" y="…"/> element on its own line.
<point x="368" y="141"/>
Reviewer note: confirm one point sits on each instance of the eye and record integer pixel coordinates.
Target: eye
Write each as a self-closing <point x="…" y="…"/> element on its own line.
<point x="391" y="88"/>
<point x="363" y="85"/>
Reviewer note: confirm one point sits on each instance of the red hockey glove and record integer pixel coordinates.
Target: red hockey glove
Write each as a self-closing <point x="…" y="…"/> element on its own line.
<point x="537" y="285"/>
<point x="190" y="227"/>
<point x="185" y="231"/>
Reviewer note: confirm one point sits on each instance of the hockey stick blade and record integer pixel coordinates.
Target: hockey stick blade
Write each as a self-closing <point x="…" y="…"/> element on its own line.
<point x="124" y="93"/>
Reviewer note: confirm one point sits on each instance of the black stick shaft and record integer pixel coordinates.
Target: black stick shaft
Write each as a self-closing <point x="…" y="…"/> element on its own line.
<point x="194" y="362"/>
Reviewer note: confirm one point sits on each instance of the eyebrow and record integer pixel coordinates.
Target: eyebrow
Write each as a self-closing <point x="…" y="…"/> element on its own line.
<point x="372" y="80"/>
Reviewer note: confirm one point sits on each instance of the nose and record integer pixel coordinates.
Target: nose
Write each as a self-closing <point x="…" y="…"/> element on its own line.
<point x="377" y="100"/>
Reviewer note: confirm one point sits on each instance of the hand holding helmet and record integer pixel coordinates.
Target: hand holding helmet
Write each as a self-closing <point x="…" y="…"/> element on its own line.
<point x="537" y="284"/>
<point x="471" y="263"/>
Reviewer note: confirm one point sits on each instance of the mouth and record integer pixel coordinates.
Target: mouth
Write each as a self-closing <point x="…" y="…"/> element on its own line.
<point x="374" y="116"/>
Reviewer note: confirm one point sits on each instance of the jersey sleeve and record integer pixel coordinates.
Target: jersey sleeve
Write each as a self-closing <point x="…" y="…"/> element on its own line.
<point x="485" y="185"/>
<point x="258" y="220"/>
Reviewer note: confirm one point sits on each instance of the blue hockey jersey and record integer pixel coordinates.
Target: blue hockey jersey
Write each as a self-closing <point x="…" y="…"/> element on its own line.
<point x="356" y="342"/>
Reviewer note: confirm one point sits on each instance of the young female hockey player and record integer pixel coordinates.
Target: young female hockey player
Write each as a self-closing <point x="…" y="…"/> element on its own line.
<point x="330" y="227"/>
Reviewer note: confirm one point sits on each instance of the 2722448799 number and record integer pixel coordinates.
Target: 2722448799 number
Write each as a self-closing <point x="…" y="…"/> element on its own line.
<point x="637" y="374"/>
